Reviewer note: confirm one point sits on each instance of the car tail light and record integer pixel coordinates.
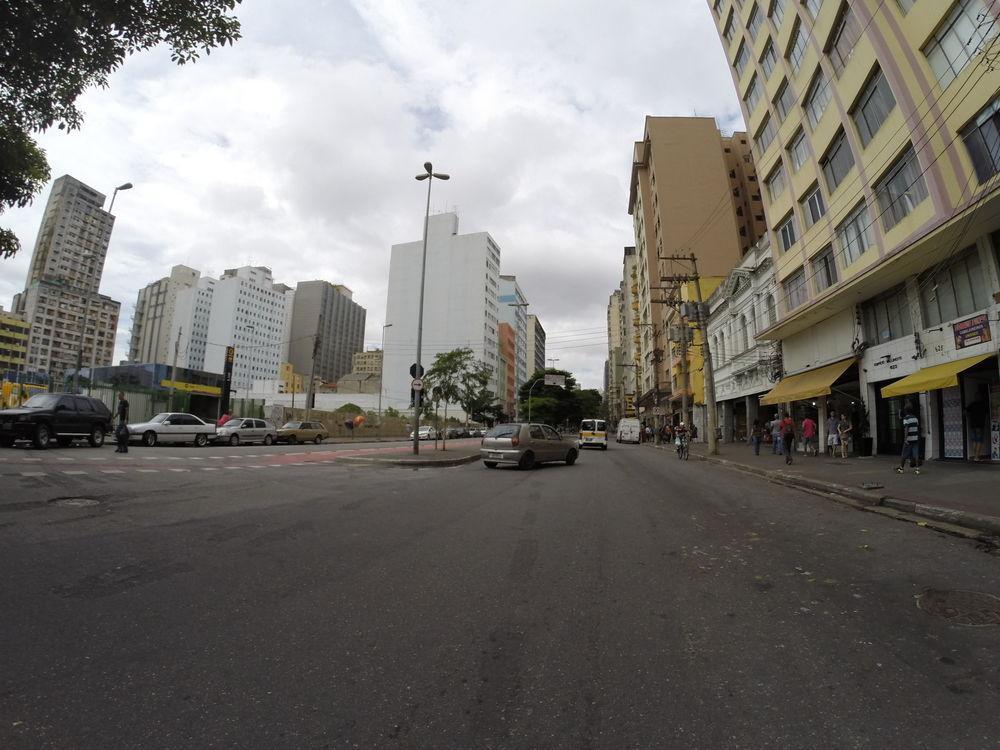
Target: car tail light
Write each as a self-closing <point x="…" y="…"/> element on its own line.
<point x="515" y="441"/>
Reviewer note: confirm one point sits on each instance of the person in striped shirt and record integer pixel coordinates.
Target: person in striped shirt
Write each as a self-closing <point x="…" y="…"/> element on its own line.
<point x="911" y="441"/>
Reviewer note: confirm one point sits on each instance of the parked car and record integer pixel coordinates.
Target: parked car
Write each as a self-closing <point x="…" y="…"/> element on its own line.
<point x="172" y="427"/>
<point x="302" y="432"/>
<point x="454" y="433"/>
<point x="426" y="433"/>
<point x="628" y="431"/>
<point x="523" y="445"/>
<point x="238" y="430"/>
<point x="62" y="417"/>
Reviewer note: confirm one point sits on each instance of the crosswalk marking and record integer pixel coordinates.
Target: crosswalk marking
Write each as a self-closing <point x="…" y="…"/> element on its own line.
<point x="112" y="471"/>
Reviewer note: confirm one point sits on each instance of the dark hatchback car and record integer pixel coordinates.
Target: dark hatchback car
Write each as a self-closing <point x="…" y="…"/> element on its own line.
<point x="62" y="417"/>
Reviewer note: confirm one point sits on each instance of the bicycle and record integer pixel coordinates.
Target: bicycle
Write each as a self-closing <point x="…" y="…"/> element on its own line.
<point x="682" y="448"/>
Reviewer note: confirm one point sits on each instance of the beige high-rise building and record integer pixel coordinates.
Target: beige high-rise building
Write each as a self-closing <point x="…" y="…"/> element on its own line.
<point x="153" y="318"/>
<point x="876" y="127"/>
<point x="693" y="190"/>
<point x="369" y="363"/>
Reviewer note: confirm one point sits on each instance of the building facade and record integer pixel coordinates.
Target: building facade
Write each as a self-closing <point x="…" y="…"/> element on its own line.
<point x="14" y="332"/>
<point x="535" y="357"/>
<point x="62" y="304"/>
<point x="367" y="362"/>
<point x="692" y="190"/>
<point x="508" y="355"/>
<point x="875" y="127"/>
<point x="461" y="308"/>
<point x="153" y="318"/>
<point x="329" y="310"/>
<point x="513" y="311"/>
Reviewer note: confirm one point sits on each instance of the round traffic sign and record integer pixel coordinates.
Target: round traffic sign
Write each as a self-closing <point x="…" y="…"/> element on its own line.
<point x="417" y="384"/>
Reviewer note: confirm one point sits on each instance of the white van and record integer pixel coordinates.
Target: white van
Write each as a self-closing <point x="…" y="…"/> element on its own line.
<point x="628" y="431"/>
<point x="594" y="434"/>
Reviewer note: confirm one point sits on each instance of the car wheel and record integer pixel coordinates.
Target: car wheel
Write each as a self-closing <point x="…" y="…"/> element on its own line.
<point x="490" y="464"/>
<point x="234" y="439"/>
<point x="317" y="440"/>
<point x="149" y="439"/>
<point x="292" y="440"/>
<point x="64" y="442"/>
<point x="201" y="440"/>
<point x="42" y="436"/>
<point x="571" y="458"/>
<point x="527" y="461"/>
<point x="96" y="438"/>
<point x="268" y="440"/>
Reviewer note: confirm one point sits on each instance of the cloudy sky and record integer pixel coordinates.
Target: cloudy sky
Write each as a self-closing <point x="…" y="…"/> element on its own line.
<point x="296" y="148"/>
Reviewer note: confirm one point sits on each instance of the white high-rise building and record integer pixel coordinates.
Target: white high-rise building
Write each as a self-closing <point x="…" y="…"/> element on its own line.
<point x="62" y="301"/>
<point x="514" y="312"/>
<point x="460" y="303"/>
<point x="189" y="325"/>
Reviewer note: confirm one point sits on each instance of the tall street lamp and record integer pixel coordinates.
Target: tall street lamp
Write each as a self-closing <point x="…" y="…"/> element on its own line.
<point x="430" y="175"/>
<point x="381" y="369"/>
<point x="126" y="186"/>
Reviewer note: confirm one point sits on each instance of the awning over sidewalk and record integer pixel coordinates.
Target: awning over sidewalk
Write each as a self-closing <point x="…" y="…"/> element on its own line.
<point x="932" y="378"/>
<point x="807" y="384"/>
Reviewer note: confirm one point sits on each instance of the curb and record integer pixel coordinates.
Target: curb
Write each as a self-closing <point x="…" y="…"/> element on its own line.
<point x="412" y="462"/>
<point x="988" y="525"/>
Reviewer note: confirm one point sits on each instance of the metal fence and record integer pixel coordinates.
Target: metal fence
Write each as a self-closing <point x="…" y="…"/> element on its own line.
<point x="143" y="404"/>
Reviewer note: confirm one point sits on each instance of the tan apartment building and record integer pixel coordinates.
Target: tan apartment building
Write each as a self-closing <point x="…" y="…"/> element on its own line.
<point x="368" y="362"/>
<point x="692" y="190"/>
<point x="876" y="128"/>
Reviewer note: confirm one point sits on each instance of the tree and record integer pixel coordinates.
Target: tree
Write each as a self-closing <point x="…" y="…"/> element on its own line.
<point x="446" y="375"/>
<point x="476" y="396"/>
<point x="551" y="404"/>
<point x="52" y="51"/>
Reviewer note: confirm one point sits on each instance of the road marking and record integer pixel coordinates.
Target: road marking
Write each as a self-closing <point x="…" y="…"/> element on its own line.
<point x="32" y="473"/>
<point x="196" y="458"/>
<point x="74" y="473"/>
<point x="61" y="458"/>
<point x="236" y="456"/>
<point x="35" y="460"/>
<point x="233" y="468"/>
<point x="297" y="453"/>
<point x="112" y="471"/>
<point x="209" y="468"/>
<point x="151" y="458"/>
<point x="178" y="470"/>
<point x="148" y="471"/>
<point x="96" y="458"/>
<point x="214" y="458"/>
<point x="252" y="455"/>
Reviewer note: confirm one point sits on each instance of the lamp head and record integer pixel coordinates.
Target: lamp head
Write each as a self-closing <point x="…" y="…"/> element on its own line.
<point x="428" y="166"/>
<point x="126" y="186"/>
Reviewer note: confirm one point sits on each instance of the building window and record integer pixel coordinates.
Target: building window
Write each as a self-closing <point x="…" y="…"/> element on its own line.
<point x="717" y="7"/>
<point x="813" y="206"/>
<point x="787" y="233"/>
<point x="846" y="32"/>
<point x="887" y="316"/>
<point x="768" y="59"/>
<point x="772" y="311"/>
<point x="765" y="134"/>
<point x="873" y="107"/>
<point x="797" y="48"/>
<point x="982" y="139"/>
<point x="730" y="29"/>
<point x="837" y="161"/>
<point x="824" y="269"/>
<point x="742" y="58"/>
<point x="901" y="189"/>
<point x="813" y="6"/>
<point x="777" y="12"/>
<point x="753" y="95"/>
<point x="854" y="234"/>
<point x="905" y="5"/>
<point x="755" y="21"/>
<point x="798" y="150"/>
<point x="775" y="182"/>
<point x="784" y="100"/>
<point x="817" y="97"/>
<point x="958" y="40"/>
<point x="955" y="290"/>
<point x="795" y="289"/>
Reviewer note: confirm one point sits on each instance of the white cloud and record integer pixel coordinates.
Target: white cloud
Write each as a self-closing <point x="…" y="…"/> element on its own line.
<point x="296" y="148"/>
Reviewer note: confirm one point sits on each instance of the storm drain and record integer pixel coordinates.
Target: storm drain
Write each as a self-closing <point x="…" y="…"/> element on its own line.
<point x="75" y="502"/>
<point x="971" y="608"/>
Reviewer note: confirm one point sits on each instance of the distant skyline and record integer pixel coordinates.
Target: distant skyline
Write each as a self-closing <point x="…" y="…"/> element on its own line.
<point x="296" y="148"/>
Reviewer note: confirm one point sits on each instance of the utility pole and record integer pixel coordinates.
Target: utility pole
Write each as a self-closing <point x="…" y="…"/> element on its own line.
<point x="173" y="366"/>
<point x="312" y="369"/>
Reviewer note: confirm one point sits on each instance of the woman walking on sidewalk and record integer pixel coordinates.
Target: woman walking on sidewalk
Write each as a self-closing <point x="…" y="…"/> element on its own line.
<point x="756" y="433"/>
<point x="787" y="426"/>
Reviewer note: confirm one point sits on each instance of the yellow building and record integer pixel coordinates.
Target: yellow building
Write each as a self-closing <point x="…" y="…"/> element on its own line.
<point x="876" y="128"/>
<point x="289" y="381"/>
<point x="13" y="343"/>
<point x="686" y="360"/>
<point x="369" y="363"/>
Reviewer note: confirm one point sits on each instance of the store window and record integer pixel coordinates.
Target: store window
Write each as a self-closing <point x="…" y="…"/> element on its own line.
<point x="887" y="316"/>
<point x="873" y="107"/>
<point x="955" y="290"/>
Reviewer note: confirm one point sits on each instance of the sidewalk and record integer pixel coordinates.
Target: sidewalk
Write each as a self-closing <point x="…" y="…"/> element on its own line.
<point x="959" y="492"/>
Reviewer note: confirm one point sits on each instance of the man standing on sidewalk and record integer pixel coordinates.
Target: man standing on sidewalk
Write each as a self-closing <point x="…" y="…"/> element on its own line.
<point x="775" y="425"/>
<point x="809" y="436"/>
<point x="844" y="428"/>
<point x="832" y="435"/>
<point x="121" y="431"/>
<point x="787" y="426"/>
<point x="911" y="441"/>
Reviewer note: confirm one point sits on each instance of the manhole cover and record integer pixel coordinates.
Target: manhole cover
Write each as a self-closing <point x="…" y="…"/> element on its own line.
<point x="971" y="608"/>
<point x="75" y="502"/>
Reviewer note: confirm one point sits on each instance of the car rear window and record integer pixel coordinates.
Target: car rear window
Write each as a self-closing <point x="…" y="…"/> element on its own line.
<point x="600" y="425"/>
<point x="504" y="431"/>
<point x="587" y="425"/>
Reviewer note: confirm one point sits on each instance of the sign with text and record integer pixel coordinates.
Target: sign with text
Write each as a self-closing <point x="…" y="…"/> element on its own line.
<point x="972" y="331"/>
<point x="559" y="380"/>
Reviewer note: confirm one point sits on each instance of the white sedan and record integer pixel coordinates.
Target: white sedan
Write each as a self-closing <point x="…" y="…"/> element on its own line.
<point x="172" y="427"/>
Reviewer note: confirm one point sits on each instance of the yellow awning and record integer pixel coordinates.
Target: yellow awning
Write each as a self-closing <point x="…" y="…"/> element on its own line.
<point x="807" y="384"/>
<point x="932" y="378"/>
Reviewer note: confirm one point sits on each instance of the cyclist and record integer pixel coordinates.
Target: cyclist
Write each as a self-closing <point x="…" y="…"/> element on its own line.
<point x="681" y="439"/>
<point x="788" y="436"/>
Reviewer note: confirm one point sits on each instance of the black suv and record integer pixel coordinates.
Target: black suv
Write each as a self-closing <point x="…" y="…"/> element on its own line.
<point x="59" y="416"/>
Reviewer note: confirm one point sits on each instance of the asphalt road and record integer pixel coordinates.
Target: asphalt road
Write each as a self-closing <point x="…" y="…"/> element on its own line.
<point x="266" y="601"/>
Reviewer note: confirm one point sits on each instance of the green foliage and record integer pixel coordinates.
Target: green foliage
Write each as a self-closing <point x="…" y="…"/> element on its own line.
<point x="53" y="51"/>
<point x="391" y="413"/>
<point x="555" y="405"/>
<point x="350" y="409"/>
<point x="476" y="396"/>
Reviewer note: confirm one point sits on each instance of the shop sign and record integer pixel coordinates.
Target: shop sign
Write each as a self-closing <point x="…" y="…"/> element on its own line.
<point x="887" y="360"/>
<point x="972" y="331"/>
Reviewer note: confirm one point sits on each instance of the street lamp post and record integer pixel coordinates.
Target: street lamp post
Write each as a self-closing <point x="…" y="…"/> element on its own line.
<point x="380" y="372"/>
<point x="430" y="175"/>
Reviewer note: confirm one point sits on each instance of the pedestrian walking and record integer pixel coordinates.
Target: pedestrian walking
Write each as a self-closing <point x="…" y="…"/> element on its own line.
<point x="787" y="429"/>
<point x="832" y="435"/>
<point x="844" y="429"/>
<point x="121" y="430"/>
<point x="979" y="413"/>
<point x="809" y="436"/>
<point x="756" y="433"/>
<point x="775" y="427"/>
<point x="223" y="419"/>
<point x="911" y="441"/>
